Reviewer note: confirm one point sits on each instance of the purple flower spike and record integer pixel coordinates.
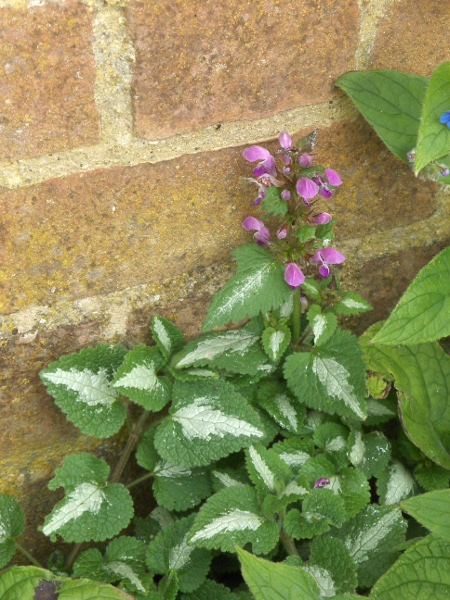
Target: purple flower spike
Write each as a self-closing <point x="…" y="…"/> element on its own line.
<point x="293" y="275"/>
<point x="267" y="161"/>
<point x="262" y="234"/>
<point x="325" y="257"/>
<point x="285" y="140"/>
<point x="304" y="160"/>
<point x="445" y="119"/>
<point x="322" y="482"/>
<point x="307" y="188"/>
<point x="322" y="218"/>
<point x="333" y="177"/>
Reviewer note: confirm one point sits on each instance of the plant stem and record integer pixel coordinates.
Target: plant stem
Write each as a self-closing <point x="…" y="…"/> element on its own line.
<point x="139" y="480"/>
<point x="296" y="316"/>
<point x="288" y="544"/>
<point x="28" y="556"/>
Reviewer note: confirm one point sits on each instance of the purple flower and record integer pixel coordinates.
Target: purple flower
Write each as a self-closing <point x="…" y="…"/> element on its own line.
<point x="306" y="189"/>
<point x="262" y="234"/>
<point x="322" y="482"/>
<point x="282" y="232"/>
<point x="333" y="177"/>
<point x="325" y="257"/>
<point x="293" y="275"/>
<point x="445" y="118"/>
<point x="285" y="195"/>
<point x="322" y="218"/>
<point x="285" y="140"/>
<point x="267" y="161"/>
<point x="305" y="160"/>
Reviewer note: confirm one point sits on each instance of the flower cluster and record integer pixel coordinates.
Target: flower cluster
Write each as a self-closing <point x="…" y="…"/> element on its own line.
<point x="298" y="184"/>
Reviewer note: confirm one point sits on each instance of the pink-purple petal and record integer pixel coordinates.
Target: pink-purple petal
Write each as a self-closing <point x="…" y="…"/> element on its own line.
<point x="324" y="270"/>
<point x="285" y="140"/>
<point x="256" y="153"/>
<point x="333" y="177"/>
<point x="332" y="256"/>
<point x="307" y="188"/>
<point x="252" y="224"/>
<point x="305" y="160"/>
<point x="322" y="218"/>
<point x="293" y="275"/>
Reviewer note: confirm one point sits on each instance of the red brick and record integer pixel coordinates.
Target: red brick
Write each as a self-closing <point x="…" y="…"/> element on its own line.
<point x="203" y="62"/>
<point x="46" y="80"/>
<point x="413" y="37"/>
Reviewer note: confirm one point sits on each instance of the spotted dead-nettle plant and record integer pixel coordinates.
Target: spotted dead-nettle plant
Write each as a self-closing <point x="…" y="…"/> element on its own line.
<point x="272" y="459"/>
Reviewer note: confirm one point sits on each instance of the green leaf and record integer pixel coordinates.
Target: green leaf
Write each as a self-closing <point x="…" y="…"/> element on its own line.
<point x="351" y="304"/>
<point x="331" y="566"/>
<point x="83" y="589"/>
<point x="352" y="486"/>
<point x="211" y="590"/>
<point x="274" y="398"/>
<point x="305" y="233"/>
<point x="168" y="338"/>
<point x="276" y="581"/>
<point x="236" y="351"/>
<point x="170" y="551"/>
<point x="12" y="524"/>
<point x="422" y="314"/>
<point x="276" y="341"/>
<point x="257" y="287"/>
<point x="208" y="420"/>
<point x="295" y="452"/>
<point x="369" y="453"/>
<point x="433" y="140"/>
<point x="391" y="101"/>
<point x="421" y="573"/>
<point x="330" y="378"/>
<point x="312" y="289"/>
<point x="431" y="477"/>
<point x="230" y="517"/>
<point x="323" y="325"/>
<point x="332" y="439"/>
<point x="81" y="386"/>
<point x="370" y="538"/>
<point x="321" y="509"/>
<point x="431" y="510"/>
<point x="170" y="480"/>
<point x="137" y="378"/>
<point x="273" y="203"/>
<point x="91" y="509"/>
<point x="395" y="484"/>
<point x="422" y="376"/>
<point x="267" y="470"/>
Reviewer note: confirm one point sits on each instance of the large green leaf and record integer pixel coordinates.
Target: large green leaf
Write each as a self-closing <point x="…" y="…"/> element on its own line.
<point x="423" y="312"/>
<point x="391" y="102"/>
<point x="422" y="378"/>
<point x="431" y="510"/>
<point x="257" y="287"/>
<point x="421" y="573"/>
<point x="434" y="138"/>
<point x="12" y="524"/>
<point x="276" y="581"/>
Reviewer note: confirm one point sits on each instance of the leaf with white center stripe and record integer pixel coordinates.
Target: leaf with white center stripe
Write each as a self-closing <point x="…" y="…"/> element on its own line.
<point x="351" y="304"/>
<point x="294" y="452"/>
<point x="276" y="341"/>
<point x="275" y="398"/>
<point x="171" y="551"/>
<point x="225" y="478"/>
<point x="371" y="537"/>
<point x="81" y="385"/>
<point x="321" y="509"/>
<point x="168" y="338"/>
<point x="257" y="287"/>
<point x="208" y="420"/>
<point x="352" y="486"/>
<point x="331" y="377"/>
<point x="267" y="470"/>
<point x="332" y="439"/>
<point x="92" y="509"/>
<point x="138" y="378"/>
<point x="332" y="566"/>
<point x="233" y="517"/>
<point x="323" y="325"/>
<point x="236" y="351"/>
<point x="12" y="524"/>
<point x="369" y="453"/>
<point x="396" y="483"/>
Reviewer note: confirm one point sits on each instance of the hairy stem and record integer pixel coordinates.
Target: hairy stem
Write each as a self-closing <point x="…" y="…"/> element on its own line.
<point x="139" y="480"/>
<point x="296" y="316"/>
<point x="27" y="555"/>
<point x="288" y="544"/>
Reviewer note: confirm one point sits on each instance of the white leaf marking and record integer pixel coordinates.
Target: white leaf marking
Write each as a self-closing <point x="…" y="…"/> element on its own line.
<point x="141" y="377"/>
<point x="334" y="377"/>
<point x="201" y="420"/>
<point x="295" y="459"/>
<point x="231" y="341"/>
<point x="276" y="339"/>
<point x="167" y="469"/>
<point x="353" y="303"/>
<point x="226" y="480"/>
<point x="84" y="498"/>
<point x="323" y="579"/>
<point x="233" y="520"/>
<point x="126" y="572"/>
<point x="318" y="326"/>
<point x="369" y="539"/>
<point x="356" y="454"/>
<point x="286" y="409"/>
<point x="378" y="409"/>
<point x="161" y="332"/>
<point x="293" y="488"/>
<point x="334" y="485"/>
<point x="92" y="388"/>
<point x="337" y="443"/>
<point x="180" y="555"/>
<point x="262" y="469"/>
<point x="3" y="535"/>
<point x="400" y="483"/>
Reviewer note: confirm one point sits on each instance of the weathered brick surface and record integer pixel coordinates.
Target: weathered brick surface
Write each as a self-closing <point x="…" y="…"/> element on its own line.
<point x="46" y="80"/>
<point x="204" y="62"/>
<point x="413" y="37"/>
<point x="107" y="230"/>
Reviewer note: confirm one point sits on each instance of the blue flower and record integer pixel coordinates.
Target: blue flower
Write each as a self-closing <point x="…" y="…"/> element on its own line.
<point x="445" y="119"/>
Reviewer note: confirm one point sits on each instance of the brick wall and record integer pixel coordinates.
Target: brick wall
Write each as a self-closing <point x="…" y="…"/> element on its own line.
<point x="122" y="126"/>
